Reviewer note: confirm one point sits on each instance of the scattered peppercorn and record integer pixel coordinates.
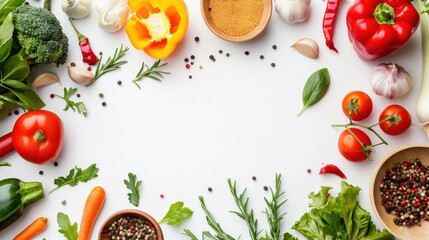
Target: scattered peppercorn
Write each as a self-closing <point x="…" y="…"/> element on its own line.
<point x="187" y="66"/>
<point x="308" y="170"/>
<point x="212" y="58"/>
<point x="265" y="188"/>
<point x="197" y="39"/>
<point x="201" y="67"/>
<point x="186" y="60"/>
<point x="192" y="63"/>
<point x="89" y="68"/>
<point x="210" y="189"/>
<point x="9" y="114"/>
<point x="55" y="164"/>
<point x="52" y="95"/>
<point x="101" y="95"/>
<point x="246" y="53"/>
<point x="63" y="202"/>
<point x="78" y="95"/>
<point x="227" y="54"/>
<point x="261" y="57"/>
<point x="254" y="178"/>
<point x="190" y="76"/>
<point x="274" y="47"/>
<point x="192" y="57"/>
<point x="161" y="196"/>
<point x="403" y="193"/>
<point x="132" y="228"/>
<point x="273" y="65"/>
<point x="119" y="82"/>
<point x="41" y="172"/>
<point x="220" y="51"/>
<point x="16" y="112"/>
<point x="103" y="104"/>
<point x="72" y="64"/>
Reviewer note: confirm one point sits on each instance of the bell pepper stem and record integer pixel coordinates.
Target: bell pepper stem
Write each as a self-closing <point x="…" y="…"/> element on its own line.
<point x="384" y="14"/>
<point x="31" y="192"/>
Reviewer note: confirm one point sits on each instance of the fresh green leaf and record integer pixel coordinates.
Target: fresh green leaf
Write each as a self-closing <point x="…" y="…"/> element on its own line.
<point x="28" y="99"/>
<point x="133" y="185"/>
<point x="75" y="176"/>
<point x="15" y="67"/>
<point x="7" y="6"/>
<point x="150" y="72"/>
<point x="112" y="63"/>
<point x="6" y="40"/>
<point x="288" y="236"/>
<point x="4" y="164"/>
<point x="272" y="213"/>
<point x="69" y="230"/>
<point x="176" y="214"/>
<point x="188" y="233"/>
<point x="315" y="88"/>
<point x="15" y="84"/>
<point x="75" y="106"/>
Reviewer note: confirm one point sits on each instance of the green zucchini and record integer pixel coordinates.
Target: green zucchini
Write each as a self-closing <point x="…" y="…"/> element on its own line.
<point x="15" y="196"/>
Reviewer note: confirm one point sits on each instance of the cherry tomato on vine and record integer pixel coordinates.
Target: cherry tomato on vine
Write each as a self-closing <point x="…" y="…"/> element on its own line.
<point x="394" y="119"/>
<point x="349" y="145"/>
<point x="357" y="105"/>
<point x="38" y="136"/>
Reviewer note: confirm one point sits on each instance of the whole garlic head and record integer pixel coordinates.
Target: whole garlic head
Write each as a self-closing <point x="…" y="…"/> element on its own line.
<point x="390" y="80"/>
<point x="112" y="14"/>
<point x="76" y="8"/>
<point x="293" y="11"/>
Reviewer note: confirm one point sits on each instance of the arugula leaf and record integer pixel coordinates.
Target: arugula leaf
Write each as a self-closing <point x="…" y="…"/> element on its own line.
<point x="75" y="176"/>
<point x="69" y="230"/>
<point x="75" y="106"/>
<point x="133" y="185"/>
<point x="176" y="214"/>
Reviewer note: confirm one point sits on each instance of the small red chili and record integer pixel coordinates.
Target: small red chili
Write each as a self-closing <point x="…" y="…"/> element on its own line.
<point x="87" y="53"/>
<point x="329" y="22"/>
<point x="331" y="168"/>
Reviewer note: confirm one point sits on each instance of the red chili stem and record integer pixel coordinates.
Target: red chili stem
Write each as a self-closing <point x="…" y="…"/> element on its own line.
<point x="329" y="23"/>
<point x="88" y="55"/>
<point x="331" y="168"/>
<point x="6" y="145"/>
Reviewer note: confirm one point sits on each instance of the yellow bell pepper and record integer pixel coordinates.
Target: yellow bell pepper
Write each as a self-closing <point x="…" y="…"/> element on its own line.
<point x="157" y="26"/>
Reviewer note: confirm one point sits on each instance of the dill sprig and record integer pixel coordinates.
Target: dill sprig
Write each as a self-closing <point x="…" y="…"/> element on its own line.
<point x="272" y="213"/>
<point x="242" y="204"/>
<point x="112" y="63"/>
<point x="211" y="221"/>
<point x="150" y="72"/>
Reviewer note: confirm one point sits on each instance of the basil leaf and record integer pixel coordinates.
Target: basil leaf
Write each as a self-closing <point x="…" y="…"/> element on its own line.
<point x="6" y="34"/>
<point x="315" y="88"/>
<point x="29" y="98"/>
<point x="15" y="84"/>
<point x="15" y="67"/>
<point x="7" y="6"/>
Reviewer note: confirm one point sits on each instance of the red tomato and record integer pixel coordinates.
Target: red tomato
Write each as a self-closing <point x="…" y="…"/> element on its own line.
<point x="38" y="136"/>
<point x="358" y="104"/>
<point x="394" y="119"/>
<point x="350" y="147"/>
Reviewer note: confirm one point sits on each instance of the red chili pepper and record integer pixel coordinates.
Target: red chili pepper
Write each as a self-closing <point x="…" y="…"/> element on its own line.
<point x="329" y="22"/>
<point x="331" y="168"/>
<point x="6" y="145"/>
<point x="87" y="53"/>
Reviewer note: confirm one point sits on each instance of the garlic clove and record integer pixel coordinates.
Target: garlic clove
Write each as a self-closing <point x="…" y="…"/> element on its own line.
<point x="307" y="47"/>
<point x="76" y="8"/>
<point x="44" y="79"/>
<point x="80" y="75"/>
<point x="390" y="80"/>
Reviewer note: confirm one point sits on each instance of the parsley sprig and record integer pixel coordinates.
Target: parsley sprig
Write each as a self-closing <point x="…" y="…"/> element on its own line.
<point x="75" y="106"/>
<point x="112" y="63"/>
<point x="133" y="185"/>
<point x="150" y="72"/>
<point x="75" y="176"/>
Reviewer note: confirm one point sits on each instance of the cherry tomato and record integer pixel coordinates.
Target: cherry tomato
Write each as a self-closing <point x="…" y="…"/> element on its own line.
<point x="394" y="119"/>
<point x="350" y="147"/>
<point x="358" y="104"/>
<point x="38" y="136"/>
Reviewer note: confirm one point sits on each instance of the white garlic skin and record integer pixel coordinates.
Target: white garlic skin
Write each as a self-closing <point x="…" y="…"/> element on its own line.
<point x="307" y="47"/>
<point x="112" y="14"/>
<point x="76" y="8"/>
<point x="390" y="80"/>
<point x="293" y="11"/>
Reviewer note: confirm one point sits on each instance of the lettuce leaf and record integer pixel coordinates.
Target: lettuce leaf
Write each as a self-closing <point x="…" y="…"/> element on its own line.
<point x="338" y="218"/>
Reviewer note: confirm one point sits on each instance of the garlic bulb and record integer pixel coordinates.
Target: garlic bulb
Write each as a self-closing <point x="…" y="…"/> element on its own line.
<point x="112" y="14"/>
<point x="293" y="11"/>
<point x="76" y="8"/>
<point x="390" y="80"/>
<point x="307" y="47"/>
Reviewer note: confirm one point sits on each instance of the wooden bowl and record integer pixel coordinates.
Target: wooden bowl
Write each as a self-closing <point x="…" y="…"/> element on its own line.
<point x="399" y="155"/>
<point x="212" y="9"/>
<point x="104" y="231"/>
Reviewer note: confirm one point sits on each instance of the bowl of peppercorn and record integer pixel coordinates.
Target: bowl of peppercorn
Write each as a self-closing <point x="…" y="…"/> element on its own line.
<point x="399" y="192"/>
<point x="130" y="224"/>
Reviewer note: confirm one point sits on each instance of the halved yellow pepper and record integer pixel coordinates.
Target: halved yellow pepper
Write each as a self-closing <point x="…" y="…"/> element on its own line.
<point x="157" y="26"/>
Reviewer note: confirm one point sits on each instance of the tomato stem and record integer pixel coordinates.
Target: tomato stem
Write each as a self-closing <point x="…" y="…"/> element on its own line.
<point x="39" y="136"/>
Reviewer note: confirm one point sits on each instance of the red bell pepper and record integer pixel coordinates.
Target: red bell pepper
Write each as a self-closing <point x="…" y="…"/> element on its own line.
<point x="379" y="27"/>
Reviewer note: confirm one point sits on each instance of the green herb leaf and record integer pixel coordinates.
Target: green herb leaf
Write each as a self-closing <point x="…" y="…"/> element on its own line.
<point x="6" y="40"/>
<point x="15" y="84"/>
<point x="75" y="176"/>
<point x="7" y="6"/>
<point x="15" y="67"/>
<point x="176" y="214"/>
<point x="75" y="106"/>
<point x="272" y="211"/>
<point x="112" y="63"/>
<point x="150" y="72"/>
<point x="288" y="236"/>
<point x="133" y="185"/>
<point x="70" y="231"/>
<point x="4" y="164"/>
<point x="315" y="88"/>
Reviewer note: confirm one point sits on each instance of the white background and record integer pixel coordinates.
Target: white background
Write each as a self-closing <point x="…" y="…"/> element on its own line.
<point x="236" y="118"/>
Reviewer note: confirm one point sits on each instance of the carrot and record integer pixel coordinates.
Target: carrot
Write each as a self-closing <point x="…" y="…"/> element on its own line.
<point x="92" y="209"/>
<point x="32" y="230"/>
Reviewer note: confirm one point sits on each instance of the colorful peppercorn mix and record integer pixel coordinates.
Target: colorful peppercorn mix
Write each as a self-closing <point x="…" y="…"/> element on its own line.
<point x="403" y="192"/>
<point x="132" y="228"/>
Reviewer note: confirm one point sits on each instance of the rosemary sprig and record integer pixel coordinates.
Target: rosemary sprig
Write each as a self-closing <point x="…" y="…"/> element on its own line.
<point x="75" y="106"/>
<point x="112" y="63"/>
<point x="272" y="211"/>
<point x="150" y="72"/>
<point x="211" y="221"/>
<point x="242" y="204"/>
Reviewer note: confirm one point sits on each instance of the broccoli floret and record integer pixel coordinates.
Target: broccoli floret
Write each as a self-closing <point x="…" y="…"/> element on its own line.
<point x="40" y="35"/>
